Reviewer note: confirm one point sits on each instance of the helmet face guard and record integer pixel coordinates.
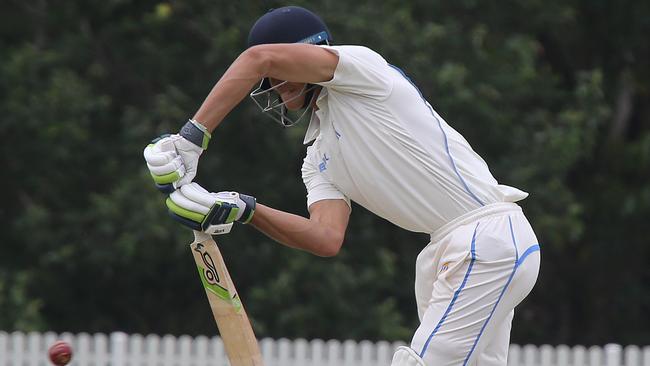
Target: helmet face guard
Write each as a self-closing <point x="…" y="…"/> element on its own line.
<point x="290" y="24"/>
<point x="273" y="106"/>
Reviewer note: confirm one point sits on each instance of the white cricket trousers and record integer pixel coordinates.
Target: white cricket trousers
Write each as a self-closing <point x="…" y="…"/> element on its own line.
<point x="469" y="279"/>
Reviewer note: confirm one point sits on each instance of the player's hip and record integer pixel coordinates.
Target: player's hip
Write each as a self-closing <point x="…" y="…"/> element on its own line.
<point x="497" y="231"/>
<point x="484" y="212"/>
<point x="495" y="239"/>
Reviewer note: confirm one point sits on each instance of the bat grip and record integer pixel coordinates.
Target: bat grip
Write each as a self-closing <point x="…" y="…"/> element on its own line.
<point x="200" y="236"/>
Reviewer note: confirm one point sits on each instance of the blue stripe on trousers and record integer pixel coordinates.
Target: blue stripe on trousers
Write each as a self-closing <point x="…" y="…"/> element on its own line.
<point x="456" y="294"/>
<point x="518" y="261"/>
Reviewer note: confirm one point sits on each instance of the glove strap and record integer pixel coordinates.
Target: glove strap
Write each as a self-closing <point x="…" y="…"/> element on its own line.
<point x="196" y="133"/>
<point x="220" y="214"/>
<point x="249" y="210"/>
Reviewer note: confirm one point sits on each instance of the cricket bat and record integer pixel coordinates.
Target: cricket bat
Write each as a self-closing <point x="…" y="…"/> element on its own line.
<point x="234" y="327"/>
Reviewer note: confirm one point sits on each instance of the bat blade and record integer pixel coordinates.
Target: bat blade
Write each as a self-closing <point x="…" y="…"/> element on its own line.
<point x="234" y="327"/>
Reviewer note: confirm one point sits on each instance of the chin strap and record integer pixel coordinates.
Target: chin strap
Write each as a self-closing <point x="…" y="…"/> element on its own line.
<point x="309" y="96"/>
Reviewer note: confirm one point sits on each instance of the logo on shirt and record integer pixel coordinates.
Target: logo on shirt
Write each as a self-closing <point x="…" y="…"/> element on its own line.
<point x="323" y="164"/>
<point x="445" y="267"/>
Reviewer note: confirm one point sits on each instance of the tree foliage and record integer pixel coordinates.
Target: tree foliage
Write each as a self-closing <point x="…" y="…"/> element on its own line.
<point x="553" y="94"/>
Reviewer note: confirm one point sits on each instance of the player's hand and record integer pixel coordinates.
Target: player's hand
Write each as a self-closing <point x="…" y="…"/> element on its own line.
<point x="173" y="159"/>
<point x="193" y="206"/>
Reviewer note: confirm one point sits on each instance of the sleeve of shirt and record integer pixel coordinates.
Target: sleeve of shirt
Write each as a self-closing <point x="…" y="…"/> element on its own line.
<point x="318" y="187"/>
<point x="360" y="71"/>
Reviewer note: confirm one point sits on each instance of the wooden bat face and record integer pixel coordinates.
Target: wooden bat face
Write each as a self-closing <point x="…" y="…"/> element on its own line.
<point x="234" y="327"/>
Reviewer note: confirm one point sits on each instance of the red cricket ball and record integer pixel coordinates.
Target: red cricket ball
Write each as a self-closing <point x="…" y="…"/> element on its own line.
<point x="60" y="353"/>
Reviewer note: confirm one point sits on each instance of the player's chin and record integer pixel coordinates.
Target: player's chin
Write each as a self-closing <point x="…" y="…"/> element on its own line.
<point x="295" y="105"/>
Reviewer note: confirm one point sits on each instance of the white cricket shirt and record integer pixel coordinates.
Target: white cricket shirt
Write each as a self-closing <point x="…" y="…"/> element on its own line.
<point x="381" y="145"/>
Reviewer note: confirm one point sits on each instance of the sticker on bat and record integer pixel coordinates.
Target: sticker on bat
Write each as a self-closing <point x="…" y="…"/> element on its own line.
<point x="211" y="280"/>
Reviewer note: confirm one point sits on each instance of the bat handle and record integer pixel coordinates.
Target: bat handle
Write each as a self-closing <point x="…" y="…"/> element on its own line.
<point x="213" y="230"/>
<point x="200" y="236"/>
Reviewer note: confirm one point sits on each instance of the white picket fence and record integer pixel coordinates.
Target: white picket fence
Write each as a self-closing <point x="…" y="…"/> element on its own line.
<point x="120" y="349"/>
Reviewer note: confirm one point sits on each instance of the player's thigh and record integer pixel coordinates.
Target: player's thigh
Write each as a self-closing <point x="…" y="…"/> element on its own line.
<point x="492" y="345"/>
<point x="495" y="353"/>
<point x="439" y="265"/>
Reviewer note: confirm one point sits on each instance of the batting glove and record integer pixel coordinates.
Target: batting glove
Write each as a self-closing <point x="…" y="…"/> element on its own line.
<point x="173" y="159"/>
<point x="200" y="210"/>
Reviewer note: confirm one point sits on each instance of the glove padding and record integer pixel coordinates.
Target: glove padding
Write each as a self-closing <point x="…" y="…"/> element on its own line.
<point x="200" y="210"/>
<point x="173" y="159"/>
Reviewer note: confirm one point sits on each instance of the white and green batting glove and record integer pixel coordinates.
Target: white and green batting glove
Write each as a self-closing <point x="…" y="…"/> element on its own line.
<point x="212" y="213"/>
<point x="173" y="159"/>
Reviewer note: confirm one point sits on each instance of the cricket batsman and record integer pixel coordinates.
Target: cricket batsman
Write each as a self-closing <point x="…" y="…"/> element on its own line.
<point x="372" y="139"/>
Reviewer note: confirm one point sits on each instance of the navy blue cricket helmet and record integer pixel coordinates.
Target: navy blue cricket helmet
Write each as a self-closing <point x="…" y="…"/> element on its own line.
<point x="289" y="24"/>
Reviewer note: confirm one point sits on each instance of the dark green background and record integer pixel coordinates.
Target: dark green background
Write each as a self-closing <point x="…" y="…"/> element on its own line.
<point x="553" y="94"/>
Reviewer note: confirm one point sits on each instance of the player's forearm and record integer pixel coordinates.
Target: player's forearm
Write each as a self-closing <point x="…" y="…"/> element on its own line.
<point x="235" y="84"/>
<point x="297" y="232"/>
<point x="290" y="62"/>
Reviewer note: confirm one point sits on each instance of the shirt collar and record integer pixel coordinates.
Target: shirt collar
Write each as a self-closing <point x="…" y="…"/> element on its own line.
<point x="314" y="122"/>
